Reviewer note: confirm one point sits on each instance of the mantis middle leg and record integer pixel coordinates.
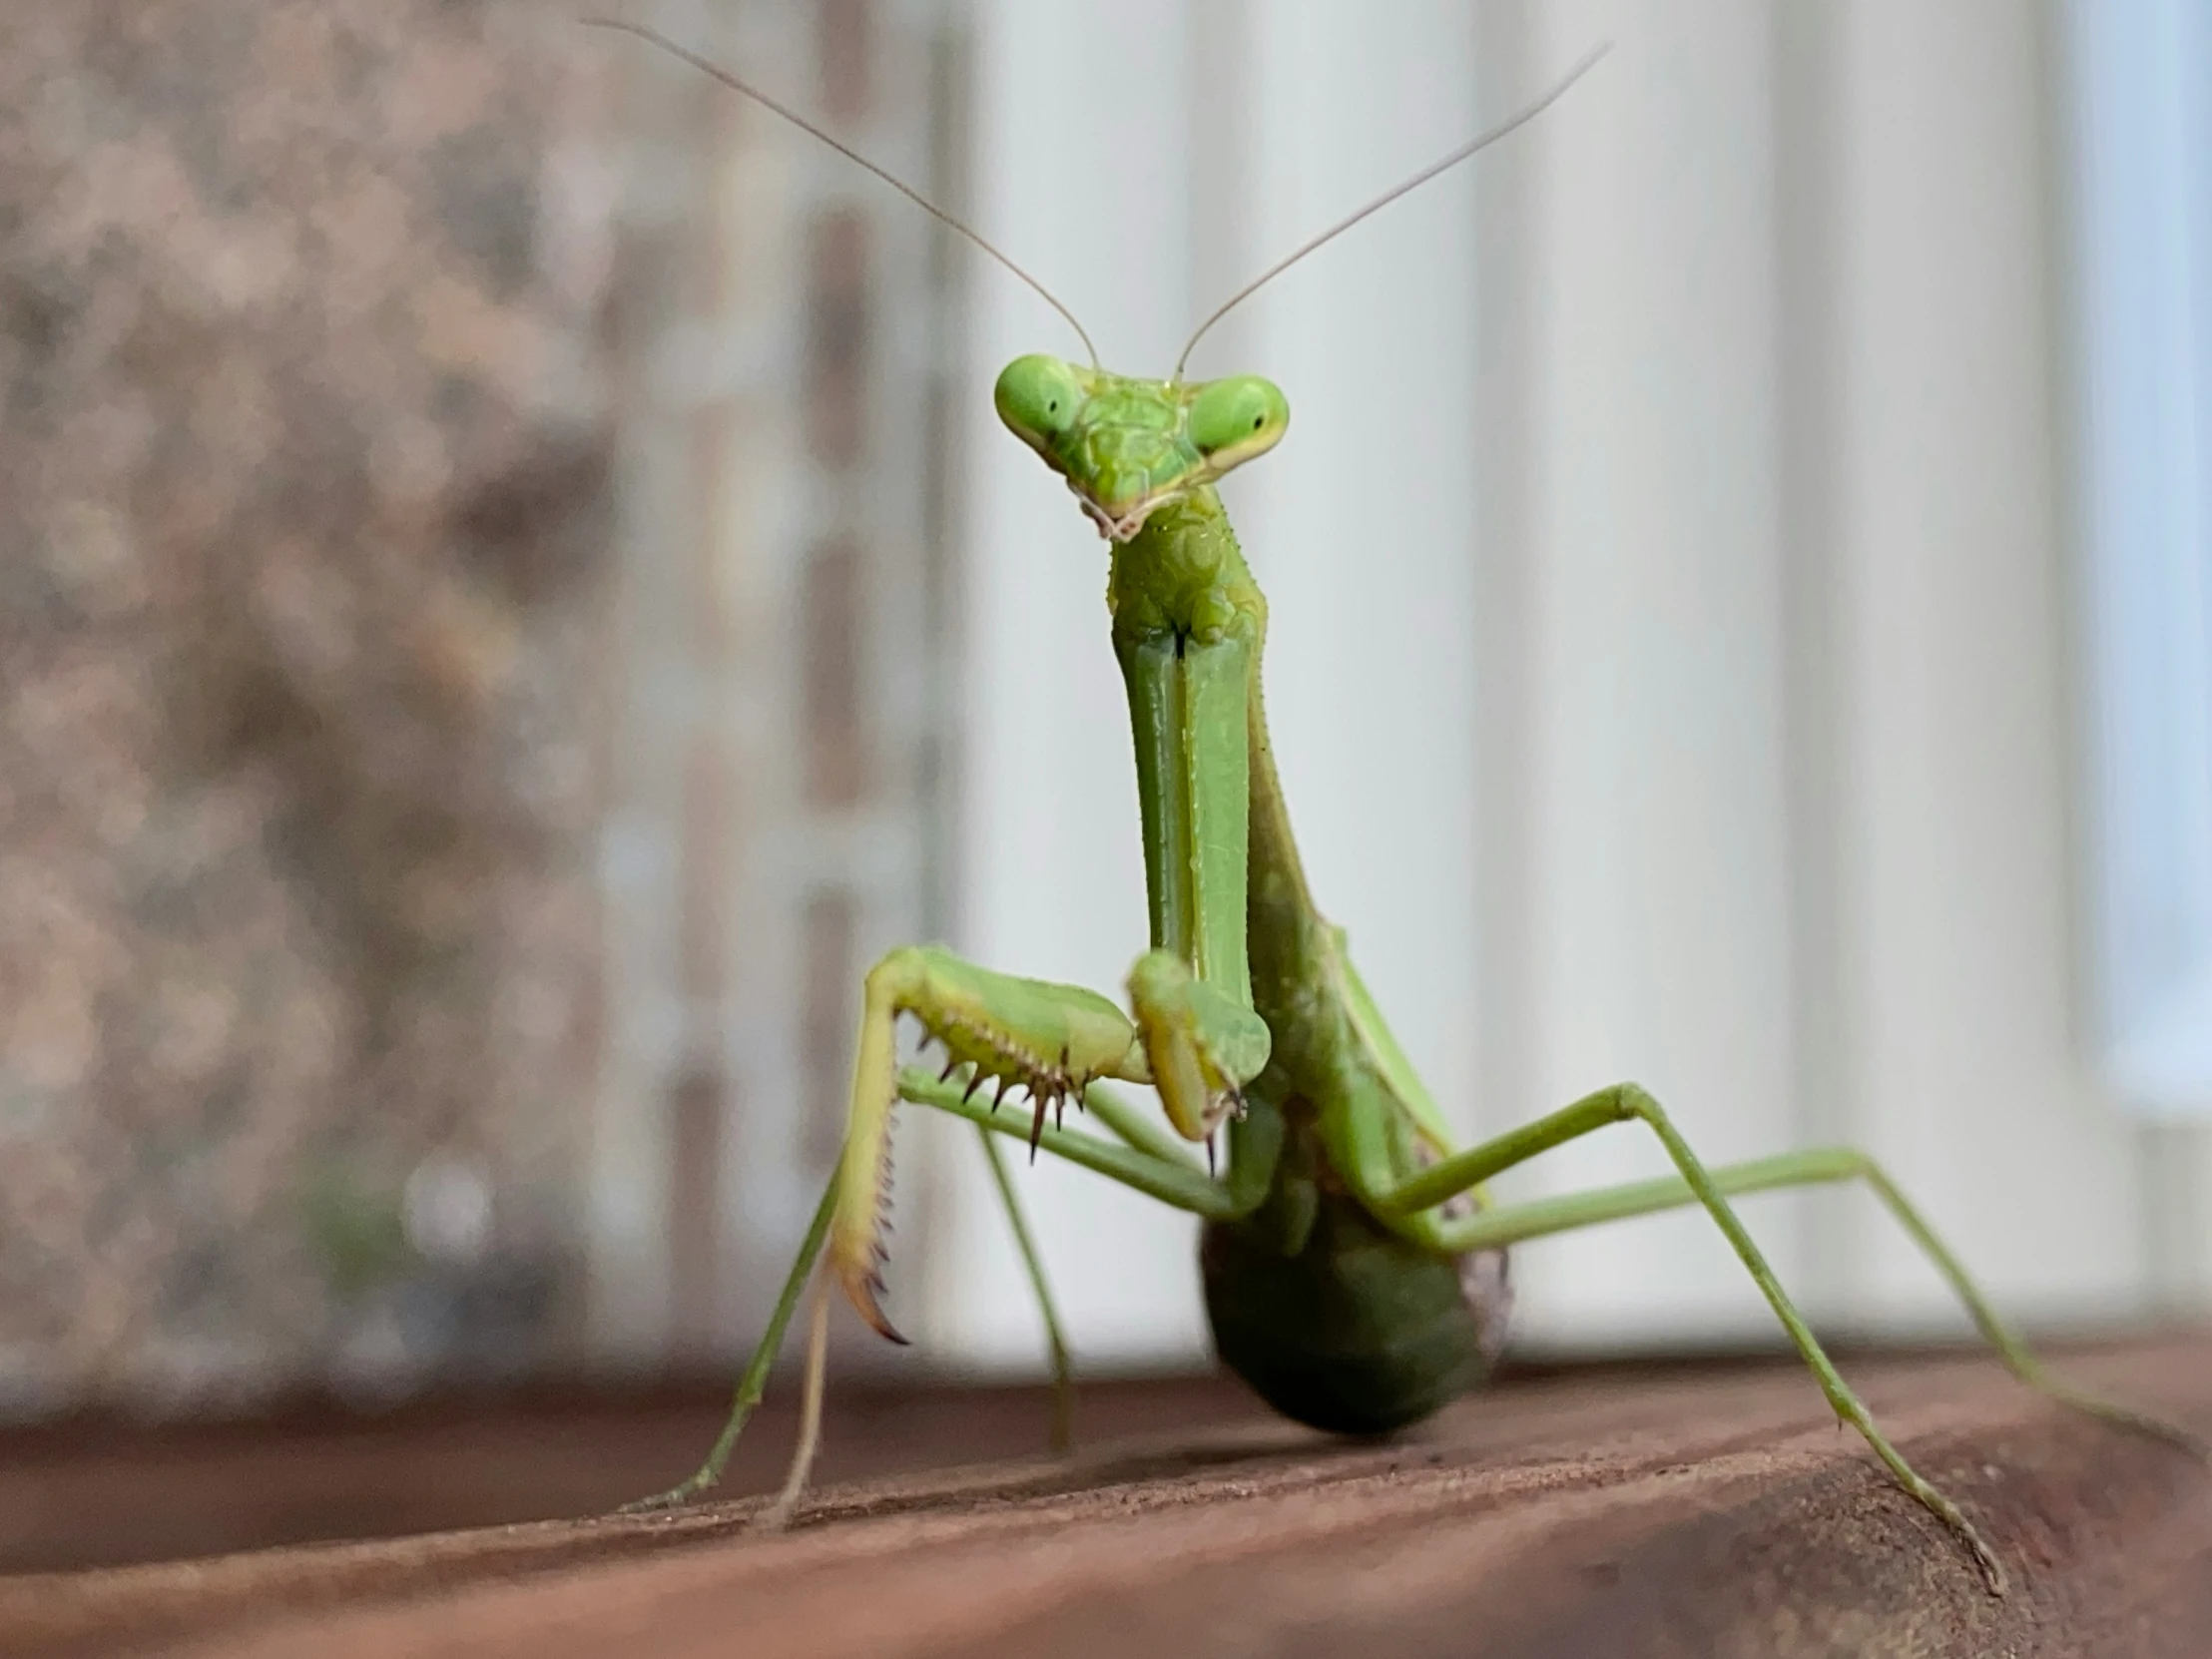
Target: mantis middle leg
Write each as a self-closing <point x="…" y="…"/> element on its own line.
<point x="1407" y="1206"/>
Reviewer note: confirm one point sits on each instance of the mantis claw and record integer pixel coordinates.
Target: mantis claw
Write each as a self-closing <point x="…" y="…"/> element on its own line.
<point x="1004" y="1030"/>
<point x="1201" y="1044"/>
<point x="865" y="1292"/>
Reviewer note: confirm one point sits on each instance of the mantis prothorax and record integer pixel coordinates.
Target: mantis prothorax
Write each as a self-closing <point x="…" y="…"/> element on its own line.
<point x="1353" y="1266"/>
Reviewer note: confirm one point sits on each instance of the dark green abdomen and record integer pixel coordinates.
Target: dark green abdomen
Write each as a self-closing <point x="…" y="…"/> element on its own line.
<point x="1359" y="1333"/>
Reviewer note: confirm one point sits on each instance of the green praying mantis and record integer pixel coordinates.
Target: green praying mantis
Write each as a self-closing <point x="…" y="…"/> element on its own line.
<point x="1353" y="1264"/>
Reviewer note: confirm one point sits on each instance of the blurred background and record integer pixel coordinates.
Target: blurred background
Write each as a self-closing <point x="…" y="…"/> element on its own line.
<point x="513" y="595"/>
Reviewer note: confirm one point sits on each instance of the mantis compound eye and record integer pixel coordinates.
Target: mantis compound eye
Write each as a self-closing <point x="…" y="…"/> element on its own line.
<point x="1037" y="397"/>
<point x="1235" y="419"/>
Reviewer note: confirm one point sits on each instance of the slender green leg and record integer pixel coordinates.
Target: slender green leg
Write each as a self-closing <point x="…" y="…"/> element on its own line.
<point x="1174" y="1181"/>
<point x="1140" y="1128"/>
<point x="1063" y="1384"/>
<point x="1143" y="1135"/>
<point x="1495" y="1227"/>
<point x="1400" y="1206"/>
<point x="755" y="1380"/>
<point x="778" y="1513"/>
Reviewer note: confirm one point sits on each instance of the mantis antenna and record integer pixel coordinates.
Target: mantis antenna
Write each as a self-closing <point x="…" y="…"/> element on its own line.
<point x="705" y="66"/>
<point x="1481" y="141"/>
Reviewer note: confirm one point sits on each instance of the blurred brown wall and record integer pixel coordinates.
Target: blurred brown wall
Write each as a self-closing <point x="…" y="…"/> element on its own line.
<point x="304" y="478"/>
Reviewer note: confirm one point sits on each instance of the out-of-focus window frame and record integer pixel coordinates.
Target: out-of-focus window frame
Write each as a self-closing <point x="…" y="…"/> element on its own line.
<point x="2140" y="75"/>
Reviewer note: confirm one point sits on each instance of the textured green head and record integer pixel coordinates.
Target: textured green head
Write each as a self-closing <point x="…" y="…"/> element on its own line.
<point x="1128" y="446"/>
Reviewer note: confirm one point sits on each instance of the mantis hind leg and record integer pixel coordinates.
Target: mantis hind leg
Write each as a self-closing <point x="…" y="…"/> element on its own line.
<point x="1497" y="1227"/>
<point x="1144" y="1159"/>
<point x="1052" y="1040"/>
<point x="754" y="1383"/>
<point x="1401" y="1206"/>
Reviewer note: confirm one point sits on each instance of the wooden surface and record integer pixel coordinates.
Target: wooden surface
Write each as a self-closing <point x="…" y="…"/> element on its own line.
<point x="1680" y="1510"/>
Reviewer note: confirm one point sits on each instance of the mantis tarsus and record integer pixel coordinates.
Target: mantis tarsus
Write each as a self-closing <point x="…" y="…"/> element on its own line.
<point x="1353" y="1264"/>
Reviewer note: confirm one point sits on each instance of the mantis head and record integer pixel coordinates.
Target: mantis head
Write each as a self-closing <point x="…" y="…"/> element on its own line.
<point x="1128" y="446"/>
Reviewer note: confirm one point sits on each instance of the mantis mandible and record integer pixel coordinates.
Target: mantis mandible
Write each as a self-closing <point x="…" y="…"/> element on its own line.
<point x="1353" y="1265"/>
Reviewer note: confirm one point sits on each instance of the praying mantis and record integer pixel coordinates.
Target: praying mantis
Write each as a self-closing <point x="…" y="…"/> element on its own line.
<point x="1353" y="1263"/>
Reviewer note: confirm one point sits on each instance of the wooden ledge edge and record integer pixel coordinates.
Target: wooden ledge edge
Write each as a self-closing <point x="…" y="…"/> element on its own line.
<point x="1707" y="1518"/>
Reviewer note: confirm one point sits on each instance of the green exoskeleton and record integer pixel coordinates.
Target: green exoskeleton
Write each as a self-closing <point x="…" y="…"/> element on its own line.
<point x="1353" y="1264"/>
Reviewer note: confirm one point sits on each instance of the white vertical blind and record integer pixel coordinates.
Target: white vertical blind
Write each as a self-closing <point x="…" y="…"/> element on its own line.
<point x="1654" y="861"/>
<point x="1669" y="660"/>
<point x="1963" y="1063"/>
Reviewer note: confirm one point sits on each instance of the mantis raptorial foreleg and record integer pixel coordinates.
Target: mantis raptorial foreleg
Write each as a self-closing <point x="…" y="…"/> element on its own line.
<point x="1194" y="1043"/>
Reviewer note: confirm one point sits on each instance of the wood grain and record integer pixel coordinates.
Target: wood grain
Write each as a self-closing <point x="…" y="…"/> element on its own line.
<point x="1678" y="1511"/>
